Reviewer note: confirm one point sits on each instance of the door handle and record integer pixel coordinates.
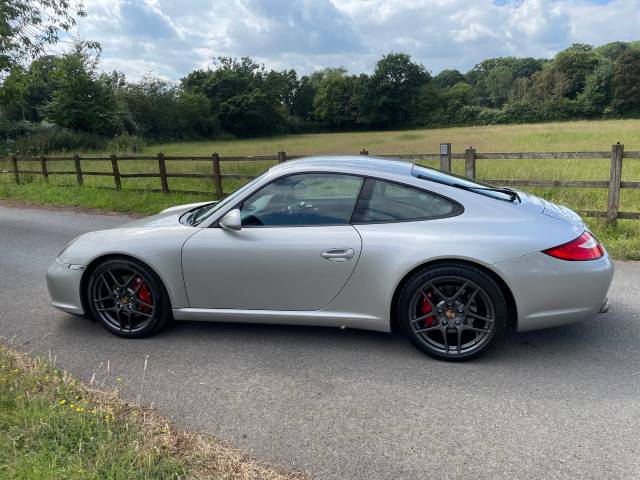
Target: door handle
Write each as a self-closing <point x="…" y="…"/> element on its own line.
<point x="338" y="254"/>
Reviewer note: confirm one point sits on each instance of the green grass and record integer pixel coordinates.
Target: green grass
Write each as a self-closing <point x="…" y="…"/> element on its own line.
<point x="623" y="241"/>
<point x="569" y="136"/>
<point x="53" y="427"/>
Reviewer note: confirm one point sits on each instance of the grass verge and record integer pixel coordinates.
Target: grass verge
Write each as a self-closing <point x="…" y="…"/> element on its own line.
<point x="52" y="426"/>
<point x="125" y="201"/>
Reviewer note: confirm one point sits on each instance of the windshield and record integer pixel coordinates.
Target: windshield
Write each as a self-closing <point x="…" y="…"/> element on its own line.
<point x="454" y="180"/>
<point x="208" y="210"/>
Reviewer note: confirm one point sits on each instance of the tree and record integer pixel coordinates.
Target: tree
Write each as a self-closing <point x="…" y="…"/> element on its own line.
<point x="548" y="85"/>
<point x="192" y="116"/>
<point x="455" y="98"/>
<point x="251" y="113"/>
<point x="598" y="89"/>
<point x="612" y="50"/>
<point x="430" y="106"/>
<point x="25" y="92"/>
<point x="302" y="102"/>
<point x="83" y="100"/>
<point x="498" y="83"/>
<point x="520" y="89"/>
<point x="448" y="78"/>
<point x="281" y="86"/>
<point x="13" y="94"/>
<point x="27" y="27"/>
<point x="244" y="98"/>
<point x="576" y="63"/>
<point x="162" y="110"/>
<point x="626" y="72"/>
<point x="492" y="79"/>
<point x="393" y="89"/>
<point x="336" y="101"/>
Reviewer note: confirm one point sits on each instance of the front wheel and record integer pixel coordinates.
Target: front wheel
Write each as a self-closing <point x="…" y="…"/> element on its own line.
<point x="452" y="312"/>
<point x="127" y="298"/>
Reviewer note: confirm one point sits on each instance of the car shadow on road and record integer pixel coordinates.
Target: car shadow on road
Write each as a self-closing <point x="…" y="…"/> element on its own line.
<point x="571" y="343"/>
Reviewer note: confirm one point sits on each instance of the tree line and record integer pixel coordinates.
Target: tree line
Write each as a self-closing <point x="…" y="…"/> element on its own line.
<point x="65" y="102"/>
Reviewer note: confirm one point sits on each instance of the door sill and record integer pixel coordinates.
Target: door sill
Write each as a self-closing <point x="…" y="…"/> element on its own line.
<point x="321" y="318"/>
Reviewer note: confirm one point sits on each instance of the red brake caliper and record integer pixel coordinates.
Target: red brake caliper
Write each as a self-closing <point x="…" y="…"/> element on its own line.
<point x="425" y="309"/>
<point x="143" y="294"/>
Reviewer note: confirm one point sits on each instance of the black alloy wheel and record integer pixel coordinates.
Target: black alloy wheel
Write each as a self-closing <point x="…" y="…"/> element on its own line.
<point x="452" y="311"/>
<point x="127" y="298"/>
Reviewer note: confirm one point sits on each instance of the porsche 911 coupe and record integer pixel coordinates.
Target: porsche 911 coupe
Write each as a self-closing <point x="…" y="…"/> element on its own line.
<point x="350" y="242"/>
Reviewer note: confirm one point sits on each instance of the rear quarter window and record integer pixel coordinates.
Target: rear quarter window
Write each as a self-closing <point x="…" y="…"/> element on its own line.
<point x="382" y="201"/>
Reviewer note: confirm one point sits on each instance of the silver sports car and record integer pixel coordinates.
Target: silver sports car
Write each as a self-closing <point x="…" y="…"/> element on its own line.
<point x="346" y="242"/>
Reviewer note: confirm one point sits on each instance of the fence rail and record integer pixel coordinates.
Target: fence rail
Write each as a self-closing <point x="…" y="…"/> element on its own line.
<point x="470" y="156"/>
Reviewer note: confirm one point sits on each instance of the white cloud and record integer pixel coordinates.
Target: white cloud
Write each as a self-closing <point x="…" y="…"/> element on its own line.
<point x="170" y="37"/>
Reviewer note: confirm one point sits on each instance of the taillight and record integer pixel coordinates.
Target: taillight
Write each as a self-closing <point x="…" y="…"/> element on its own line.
<point x="585" y="247"/>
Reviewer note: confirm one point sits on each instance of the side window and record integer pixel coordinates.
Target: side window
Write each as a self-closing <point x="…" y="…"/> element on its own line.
<point x="304" y="199"/>
<point x="382" y="201"/>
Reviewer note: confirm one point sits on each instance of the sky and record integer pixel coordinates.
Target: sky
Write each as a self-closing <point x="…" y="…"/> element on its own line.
<point x="169" y="38"/>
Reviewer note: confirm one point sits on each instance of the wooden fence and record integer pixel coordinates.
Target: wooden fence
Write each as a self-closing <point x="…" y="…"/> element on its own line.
<point x="470" y="157"/>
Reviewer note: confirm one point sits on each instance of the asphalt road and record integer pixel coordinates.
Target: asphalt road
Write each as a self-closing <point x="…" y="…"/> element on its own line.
<point x="561" y="403"/>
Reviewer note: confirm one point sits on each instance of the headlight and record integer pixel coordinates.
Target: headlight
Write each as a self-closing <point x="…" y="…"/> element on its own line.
<point x="67" y="246"/>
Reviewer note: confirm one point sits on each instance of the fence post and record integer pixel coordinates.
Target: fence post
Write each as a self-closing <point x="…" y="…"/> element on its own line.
<point x="615" y="177"/>
<point x="282" y="157"/>
<point x="163" y="173"/>
<point x="43" y="166"/>
<point x="14" y="167"/>
<point x="445" y="157"/>
<point x="217" y="177"/>
<point x="364" y="151"/>
<point x="116" y="171"/>
<point x="470" y="162"/>
<point x="76" y="161"/>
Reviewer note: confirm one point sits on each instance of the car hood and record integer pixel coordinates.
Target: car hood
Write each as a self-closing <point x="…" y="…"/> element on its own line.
<point x="550" y="209"/>
<point x="166" y="218"/>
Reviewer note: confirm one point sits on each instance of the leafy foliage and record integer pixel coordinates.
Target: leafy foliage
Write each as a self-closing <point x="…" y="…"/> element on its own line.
<point x="575" y="64"/>
<point x="598" y="90"/>
<point x="627" y="82"/>
<point x="159" y="110"/>
<point x="241" y="98"/>
<point x="335" y="102"/>
<point x="27" y="27"/>
<point x="83" y="100"/>
<point x="393" y="90"/>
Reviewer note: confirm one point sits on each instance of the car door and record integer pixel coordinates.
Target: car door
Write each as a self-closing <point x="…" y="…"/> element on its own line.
<point x="295" y="251"/>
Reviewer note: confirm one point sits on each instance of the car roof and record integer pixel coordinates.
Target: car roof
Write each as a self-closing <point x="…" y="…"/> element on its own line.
<point x="352" y="163"/>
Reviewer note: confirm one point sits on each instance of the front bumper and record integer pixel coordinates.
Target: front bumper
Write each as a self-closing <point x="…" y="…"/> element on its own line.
<point x="63" y="282"/>
<point x="550" y="292"/>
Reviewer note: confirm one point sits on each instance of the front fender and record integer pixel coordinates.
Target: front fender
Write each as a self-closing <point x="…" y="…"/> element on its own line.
<point x="159" y="248"/>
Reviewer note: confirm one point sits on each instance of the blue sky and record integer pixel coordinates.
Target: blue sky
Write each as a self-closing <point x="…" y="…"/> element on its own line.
<point x="169" y="38"/>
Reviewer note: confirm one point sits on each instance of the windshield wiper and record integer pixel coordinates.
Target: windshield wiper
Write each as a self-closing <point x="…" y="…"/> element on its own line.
<point x="513" y="195"/>
<point x="194" y="215"/>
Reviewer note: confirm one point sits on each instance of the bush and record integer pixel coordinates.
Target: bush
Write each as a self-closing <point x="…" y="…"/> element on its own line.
<point x="24" y="138"/>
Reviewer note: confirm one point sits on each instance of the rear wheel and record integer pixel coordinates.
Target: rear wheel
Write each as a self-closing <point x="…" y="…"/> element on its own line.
<point x="128" y="298"/>
<point x="452" y="312"/>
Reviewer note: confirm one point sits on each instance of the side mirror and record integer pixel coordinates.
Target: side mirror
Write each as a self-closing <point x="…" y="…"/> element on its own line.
<point x="231" y="220"/>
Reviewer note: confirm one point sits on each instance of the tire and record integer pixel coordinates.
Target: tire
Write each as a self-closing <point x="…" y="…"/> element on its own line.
<point x="127" y="298"/>
<point x="443" y="317"/>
